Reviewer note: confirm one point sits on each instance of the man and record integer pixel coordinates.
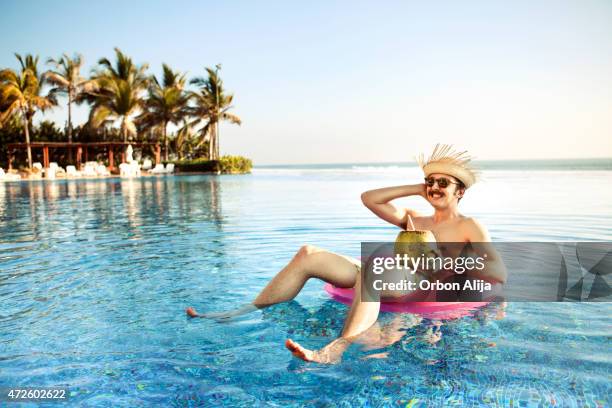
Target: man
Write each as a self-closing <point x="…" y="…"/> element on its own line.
<point x="448" y="175"/>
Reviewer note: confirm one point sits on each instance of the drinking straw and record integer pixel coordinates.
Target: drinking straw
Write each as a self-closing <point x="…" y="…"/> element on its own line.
<point x="411" y="224"/>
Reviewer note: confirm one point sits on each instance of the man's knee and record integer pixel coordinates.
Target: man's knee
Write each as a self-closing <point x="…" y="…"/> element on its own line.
<point x="306" y="250"/>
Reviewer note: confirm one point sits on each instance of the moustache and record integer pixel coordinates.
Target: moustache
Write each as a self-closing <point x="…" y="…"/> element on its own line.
<point x="430" y="193"/>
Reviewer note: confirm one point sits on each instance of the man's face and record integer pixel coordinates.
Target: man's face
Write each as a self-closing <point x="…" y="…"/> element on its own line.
<point x="440" y="197"/>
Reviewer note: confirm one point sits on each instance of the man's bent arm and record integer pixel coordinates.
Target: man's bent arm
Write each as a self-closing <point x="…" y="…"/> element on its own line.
<point x="481" y="243"/>
<point x="378" y="201"/>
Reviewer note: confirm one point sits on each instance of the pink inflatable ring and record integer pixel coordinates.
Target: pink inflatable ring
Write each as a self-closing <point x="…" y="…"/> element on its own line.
<point x="423" y="307"/>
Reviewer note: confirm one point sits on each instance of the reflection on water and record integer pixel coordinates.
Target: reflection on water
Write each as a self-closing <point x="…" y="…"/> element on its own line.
<point x="95" y="274"/>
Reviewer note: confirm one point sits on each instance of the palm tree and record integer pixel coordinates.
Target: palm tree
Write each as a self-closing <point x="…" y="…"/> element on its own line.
<point x="211" y="104"/>
<point x="20" y="96"/>
<point x="166" y="103"/>
<point x="119" y="93"/>
<point x="67" y="80"/>
<point x="185" y="142"/>
<point x="30" y="63"/>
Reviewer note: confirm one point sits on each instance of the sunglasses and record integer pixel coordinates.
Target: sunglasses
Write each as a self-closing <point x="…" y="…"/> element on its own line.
<point x="443" y="182"/>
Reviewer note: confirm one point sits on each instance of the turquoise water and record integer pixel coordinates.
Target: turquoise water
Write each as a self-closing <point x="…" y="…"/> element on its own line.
<point x="95" y="275"/>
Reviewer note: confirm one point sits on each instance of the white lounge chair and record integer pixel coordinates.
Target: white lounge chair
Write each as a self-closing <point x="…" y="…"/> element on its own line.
<point x="53" y="171"/>
<point x="135" y="168"/>
<point x="147" y="164"/>
<point x="125" y="170"/>
<point x="71" y="171"/>
<point x="101" y="170"/>
<point x="170" y="168"/>
<point x="50" y="173"/>
<point x="90" y="169"/>
<point x="8" y="176"/>
<point x="158" y="169"/>
<point x="129" y="169"/>
<point x="37" y="166"/>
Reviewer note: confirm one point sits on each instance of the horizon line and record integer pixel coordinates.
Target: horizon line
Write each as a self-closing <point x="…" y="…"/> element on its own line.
<point x="416" y="165"/>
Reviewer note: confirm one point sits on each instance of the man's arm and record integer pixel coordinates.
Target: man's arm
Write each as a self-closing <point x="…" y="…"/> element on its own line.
<point x="480" y="240"/>
<point x="378" y="201"/>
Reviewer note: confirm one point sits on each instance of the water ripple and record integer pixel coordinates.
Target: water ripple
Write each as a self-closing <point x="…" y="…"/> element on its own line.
<point x="94" y="277"/>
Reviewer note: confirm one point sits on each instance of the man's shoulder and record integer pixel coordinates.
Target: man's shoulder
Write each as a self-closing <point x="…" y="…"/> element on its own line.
<point x="470" y="222"/>
<point x="474" y="230"/>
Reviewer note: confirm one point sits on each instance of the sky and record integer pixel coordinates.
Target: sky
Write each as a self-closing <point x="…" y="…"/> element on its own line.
<point x="351" y="81"/>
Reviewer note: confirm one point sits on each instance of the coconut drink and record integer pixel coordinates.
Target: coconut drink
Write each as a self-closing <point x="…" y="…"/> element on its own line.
<point x="411" y="241"/>
<point x="411" y="249"/>
<point x="414" y="243"/>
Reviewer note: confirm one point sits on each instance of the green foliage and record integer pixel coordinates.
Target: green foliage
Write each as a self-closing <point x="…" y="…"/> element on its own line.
<point x="166" y="103"/>
<point x="225" y="165"/>
<point x="12" y="132"/>
<point x="66" y="80"/>
<point x="235" y="164"/>
<point x="20" y="96"/>
<point x="47" y="131"/>
<point x="210" y="106"/>
<point x="126" y="103"/>
<point x="118" y="95"/>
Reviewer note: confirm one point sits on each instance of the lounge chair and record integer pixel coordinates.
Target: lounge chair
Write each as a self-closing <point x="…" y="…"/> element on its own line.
<point x="129" y="169"/>
<point x="90" y="169"/>
<point x="159" y="169"/>
<point x="8" y="176"/>
<point x="125" y="170"/>
<point x="53" y="171"/>
<point x="50" y="173"/>
<point x="135" y="168"/>
<point x="170" y="168"/>
<point x="71" y="171"/>
<point x="101" y="170"/>
<point x="147" y="164"/>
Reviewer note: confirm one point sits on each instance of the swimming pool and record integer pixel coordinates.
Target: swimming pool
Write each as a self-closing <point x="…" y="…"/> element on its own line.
<point x="95" y="276"/>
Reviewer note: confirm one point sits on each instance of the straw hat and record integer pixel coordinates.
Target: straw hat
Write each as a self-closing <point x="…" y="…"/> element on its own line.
<point x="446" y="160"/>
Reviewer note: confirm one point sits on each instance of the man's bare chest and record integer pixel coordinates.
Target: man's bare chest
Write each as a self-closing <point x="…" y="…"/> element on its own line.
<point x="446" y="232"/>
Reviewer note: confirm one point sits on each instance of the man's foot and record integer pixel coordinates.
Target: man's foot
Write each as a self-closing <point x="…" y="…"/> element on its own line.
<point x="433" y="334"/>
<point x="330" y="354"/>
<point x="377" y="355"/>
<point x="191" y="312"/>
<point x="222" y="316"/>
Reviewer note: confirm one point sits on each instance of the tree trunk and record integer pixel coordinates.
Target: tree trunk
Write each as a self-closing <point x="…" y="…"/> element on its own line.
<point x="30" y="115"/>
<point x="70" y="126"/>
<point x="27" y="137"/>
<point x="214" y="150"/>
<point x="124" y="131"/>
<point x="165" y="141"/>
<point x="217" y="139"/>
<point x="210" y="145"/>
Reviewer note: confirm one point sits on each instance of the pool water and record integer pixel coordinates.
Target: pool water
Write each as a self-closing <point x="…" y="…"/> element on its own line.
<point x="95" y="276"/>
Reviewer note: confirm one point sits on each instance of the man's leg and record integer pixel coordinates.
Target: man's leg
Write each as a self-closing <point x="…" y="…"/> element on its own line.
<point x="361" y="317"/>
<point x="308" y="262"/>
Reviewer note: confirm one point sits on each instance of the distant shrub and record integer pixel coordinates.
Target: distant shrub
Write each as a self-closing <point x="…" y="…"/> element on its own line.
<point x="235" y="164"/>
<point x="225" y="165"/>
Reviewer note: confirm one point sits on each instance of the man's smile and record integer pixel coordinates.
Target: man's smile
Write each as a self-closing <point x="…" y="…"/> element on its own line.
<point x="435" y="194"/>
